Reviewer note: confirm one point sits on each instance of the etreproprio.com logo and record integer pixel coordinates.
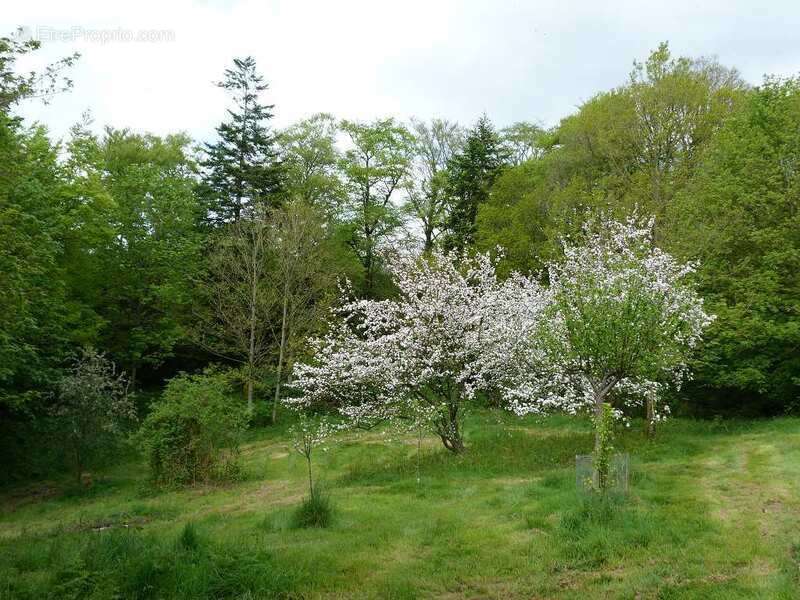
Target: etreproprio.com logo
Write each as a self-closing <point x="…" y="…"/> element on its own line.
<point x="77" y="33"/>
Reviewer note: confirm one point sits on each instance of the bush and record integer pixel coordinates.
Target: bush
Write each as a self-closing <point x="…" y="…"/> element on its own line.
<point x="192" y="434"/>
<point x="315" y="511"/>
<point x="93" y="410"/>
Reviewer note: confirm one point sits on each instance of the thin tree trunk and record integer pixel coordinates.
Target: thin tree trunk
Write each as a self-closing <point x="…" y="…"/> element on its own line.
<point x="419" y="450"/>
<point x="249" y="388"/>
<point x="78" y="464"/>
<point x="651" y="418"/>
<point x="310" y="478"/>
<point x="281" y="354"/>
<point x="368" y="269"/>
<point x="252" y="347"/>
<point x="428" y="239"/>
<point x="601" y="390"/>
<point x="598" y="413"/>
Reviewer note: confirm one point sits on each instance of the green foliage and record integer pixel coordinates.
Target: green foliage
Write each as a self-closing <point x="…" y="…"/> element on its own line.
<point x="33" y="317"/>
<point x="739" y="218"/>
<point x="133" y="244"/>
<point x="104" y="238"/>
<point x="193" y="433"/>
<point x="93" y="409"/>
<point x="15" y="87"/>
<point x="604" y="445"/>
<point x="471" y="173"/>
<point x="633" y="146"/>
<point x="310" y="158"/>
<point x="374" y="169"/>
<point x="523" y="142"/>
<point x="242" y="169"/>
<point x="428" y="195"/>
<point x="716" y="162"/>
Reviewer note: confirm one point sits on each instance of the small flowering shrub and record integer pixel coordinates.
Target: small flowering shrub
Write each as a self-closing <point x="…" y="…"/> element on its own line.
<point x="192" y="435"/>
<point x="308" y="435"/>
<point x="311" y="434"/>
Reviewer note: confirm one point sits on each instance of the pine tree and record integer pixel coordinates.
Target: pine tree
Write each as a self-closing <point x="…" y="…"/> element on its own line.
<point x="243" y="167"/>
<point x="471" y="174"/>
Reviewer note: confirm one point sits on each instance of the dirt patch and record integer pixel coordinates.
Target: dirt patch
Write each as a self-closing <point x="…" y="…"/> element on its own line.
<point x="771" y="506"/>
<point x="105" y="524"/>
<point x="514" y="481"/>
<point x="29" y="495"/>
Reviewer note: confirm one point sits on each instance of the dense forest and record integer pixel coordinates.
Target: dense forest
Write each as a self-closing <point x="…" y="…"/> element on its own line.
<point x="156" y="255"/>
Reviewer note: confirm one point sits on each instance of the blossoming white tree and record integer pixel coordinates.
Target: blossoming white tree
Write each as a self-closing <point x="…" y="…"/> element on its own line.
<point x="620" y="316"/>
<point x="417" y="357"/>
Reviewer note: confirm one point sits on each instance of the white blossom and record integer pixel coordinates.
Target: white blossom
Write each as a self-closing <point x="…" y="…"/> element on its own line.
<point x="620" y="315"/>
<point x="418" y="357"/>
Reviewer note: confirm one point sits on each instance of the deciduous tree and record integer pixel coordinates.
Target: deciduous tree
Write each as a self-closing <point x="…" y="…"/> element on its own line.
<point x="392" y="359"/>
<point x="435" y="145"/>
<point x="93" y="408"/>
<point x="621" y="315"/>
<point x="374" y="167"/>
<point x="303" y="276"/>
<point x="311" y="159"/>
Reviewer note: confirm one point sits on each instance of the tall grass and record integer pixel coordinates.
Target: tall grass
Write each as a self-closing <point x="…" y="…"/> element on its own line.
<point x="126" y="563"/>
<point x="314" y="511"/>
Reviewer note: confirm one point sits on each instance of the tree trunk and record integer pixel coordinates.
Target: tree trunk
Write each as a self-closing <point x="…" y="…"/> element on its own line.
<point x="651" y="418"/>
<point x="280" y="355"/>
<point x="428" y="239"/>
<point x="454" y="443"/>
<point x="368" y="271"/>
<point x="251" y="351"/>
<point x="448" y="429"/>
<point x="601" y="457"/>
<point x="78" y="465"/>
<point x="310" y="478"/>
<point x="598" y="413"/>
<point x="419" y="451"/>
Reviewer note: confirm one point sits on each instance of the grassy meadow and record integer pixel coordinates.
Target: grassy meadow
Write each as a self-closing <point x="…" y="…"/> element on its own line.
<point x="713" y="512"/>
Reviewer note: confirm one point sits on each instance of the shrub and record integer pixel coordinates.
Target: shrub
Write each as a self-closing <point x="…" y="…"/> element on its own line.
<point x="93" y="410"/>
<point x="192" y="434"/>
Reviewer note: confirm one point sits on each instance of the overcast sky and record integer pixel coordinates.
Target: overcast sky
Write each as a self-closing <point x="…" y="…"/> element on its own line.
<point x="515" y="60"/>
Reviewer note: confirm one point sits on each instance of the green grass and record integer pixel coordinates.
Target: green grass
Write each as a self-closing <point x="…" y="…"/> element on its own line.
<point x="713" y="512"/>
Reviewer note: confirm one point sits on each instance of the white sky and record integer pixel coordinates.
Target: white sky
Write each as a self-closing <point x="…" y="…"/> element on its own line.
<point x="515" y="60"/>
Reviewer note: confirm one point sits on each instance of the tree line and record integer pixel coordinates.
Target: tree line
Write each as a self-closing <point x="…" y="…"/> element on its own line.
<point x="166" y="255"/>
